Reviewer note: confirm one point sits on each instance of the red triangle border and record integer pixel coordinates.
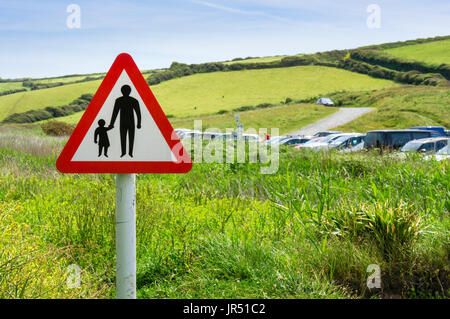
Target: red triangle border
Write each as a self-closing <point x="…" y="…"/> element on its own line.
<point x="125" y="62"/>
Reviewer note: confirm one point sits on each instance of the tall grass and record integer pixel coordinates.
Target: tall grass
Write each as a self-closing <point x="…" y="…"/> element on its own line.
<point x="308" y="231"/>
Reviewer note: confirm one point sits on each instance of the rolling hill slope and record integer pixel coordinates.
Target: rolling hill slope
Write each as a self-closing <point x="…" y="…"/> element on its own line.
<point x="437" y="52"/>
<point x="210" y="92"/>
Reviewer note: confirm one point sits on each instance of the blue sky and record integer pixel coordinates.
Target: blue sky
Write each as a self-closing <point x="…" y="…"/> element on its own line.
<point x="36" y="41"/>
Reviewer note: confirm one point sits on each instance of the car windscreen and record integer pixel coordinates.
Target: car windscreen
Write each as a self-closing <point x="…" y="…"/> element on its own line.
<point x="444" y="151"/>
<point x="411" y="147"/>
<point x="340" y="140"/>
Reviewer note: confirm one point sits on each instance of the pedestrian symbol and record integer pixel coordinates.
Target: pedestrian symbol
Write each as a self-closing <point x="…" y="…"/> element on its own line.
<point x="124" y="130"/>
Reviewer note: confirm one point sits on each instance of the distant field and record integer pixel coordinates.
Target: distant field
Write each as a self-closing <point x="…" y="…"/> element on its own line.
<point x="404" y="107"/>
<point x="286" y="118"/>
<point x="208" y="93"/>
<point x="65" y="79"/>
<point x="437" y="52"/>
<point x="258" y="60"/>
<point x="6" y="86"/>
<point x="37" y="99"/>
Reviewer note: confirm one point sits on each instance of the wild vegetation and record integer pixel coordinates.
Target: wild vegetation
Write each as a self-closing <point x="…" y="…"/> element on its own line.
<point x="225" y="230"/>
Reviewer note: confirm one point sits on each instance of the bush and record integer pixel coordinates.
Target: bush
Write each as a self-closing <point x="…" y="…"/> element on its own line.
<point x="57" y="128"/>
<point x="12" y="91"/>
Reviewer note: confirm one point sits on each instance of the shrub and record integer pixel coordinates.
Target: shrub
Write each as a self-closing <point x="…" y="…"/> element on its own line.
<point x="57" y="128"/>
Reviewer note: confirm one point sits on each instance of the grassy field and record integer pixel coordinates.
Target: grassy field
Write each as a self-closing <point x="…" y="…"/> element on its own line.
<point x="202" y="94"/>
<point x="258" y="60"/>
<point x="225" y="230"/>
<point x="38" y="99"/>
<point x="65" y="79"/>
<point x="211" y="92"/>
<point x="437" y="52"/>
<point x="402" y="107"/>
<point x="286" y="118"/>
<point x="6" y="86"/>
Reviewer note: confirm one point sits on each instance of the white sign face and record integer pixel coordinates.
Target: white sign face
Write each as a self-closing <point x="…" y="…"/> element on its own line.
<point x="124" y="130"/>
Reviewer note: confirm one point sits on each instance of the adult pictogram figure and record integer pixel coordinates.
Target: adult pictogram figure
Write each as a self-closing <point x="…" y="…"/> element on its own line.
<point x="101" y="134"/>
<point x="126" y="106"/>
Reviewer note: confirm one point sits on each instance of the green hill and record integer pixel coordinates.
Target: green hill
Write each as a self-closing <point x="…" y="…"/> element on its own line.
<point x="208" y="93"/>
<point x="437" y="52"/>
<point x="38" y="99"/>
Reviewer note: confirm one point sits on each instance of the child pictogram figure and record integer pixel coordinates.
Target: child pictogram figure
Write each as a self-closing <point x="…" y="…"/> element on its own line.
<point x="101" y="132"/>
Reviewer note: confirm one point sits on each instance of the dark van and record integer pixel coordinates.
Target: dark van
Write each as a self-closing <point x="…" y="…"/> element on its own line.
<point x="394" y="139"/>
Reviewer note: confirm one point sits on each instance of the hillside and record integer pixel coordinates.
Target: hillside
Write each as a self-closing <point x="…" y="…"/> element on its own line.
<point x="207" y="93"/>
<point x="399" y="107"/>
<point x="437" y="52"/>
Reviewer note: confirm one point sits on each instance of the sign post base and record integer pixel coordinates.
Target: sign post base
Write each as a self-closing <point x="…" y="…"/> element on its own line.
<point x="126" y="236"/>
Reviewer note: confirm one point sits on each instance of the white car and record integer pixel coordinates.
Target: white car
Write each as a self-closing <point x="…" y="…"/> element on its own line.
<point x="348" y="143"/>
<point x="324" y="142"/>
<point x="442" y="154"/>
<point x="426" y="145"/>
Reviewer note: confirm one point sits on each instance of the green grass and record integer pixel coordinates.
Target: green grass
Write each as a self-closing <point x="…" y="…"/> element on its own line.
<point x="205" y="94"/>
<point x="201" y="94"/>
<point x="258" y="60"/>
<point x="287" y="118"/>
<point x="38" y="99"/>
<point x="402" y="107"/>
<point x="64" y="79"/>
<point x="226" y="231"/>
<point x="6" y="86"/>
<point x="437" y="52"/>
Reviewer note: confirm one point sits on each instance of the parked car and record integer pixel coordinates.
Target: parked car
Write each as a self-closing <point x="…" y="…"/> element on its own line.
<point x="211" y="135"/>
<point x="426" y="145"/>
<point x="323" y="142"/>
<point x="291" y="140"/>
<point x="352" y="142"/>
<point x="276" y="139"/>
<point x="394" y="139"/>
<point x="181" y="131"/>
<point x="189" y="134"/>
<point x="439" y="129"/>
<point x="326" y="133"/>
<point x="325" y="101"/>
<point x="443" y="153"/>
<point x="447" y="132"/>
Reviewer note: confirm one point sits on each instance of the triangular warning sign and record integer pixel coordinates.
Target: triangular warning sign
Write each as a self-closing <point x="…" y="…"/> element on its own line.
<point x="124" y="130"/>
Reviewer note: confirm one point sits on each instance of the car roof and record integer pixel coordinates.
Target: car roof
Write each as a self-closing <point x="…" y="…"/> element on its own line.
<point x="430" y="139"/>
<point x="403" y="130"/>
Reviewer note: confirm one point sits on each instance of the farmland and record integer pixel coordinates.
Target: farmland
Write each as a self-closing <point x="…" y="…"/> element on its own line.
<point x="432" y="52"/>
<point x="38" y="99"/>
<point x="208" y="93"/>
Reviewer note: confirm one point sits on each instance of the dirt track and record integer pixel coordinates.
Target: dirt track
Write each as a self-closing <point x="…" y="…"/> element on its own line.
<point x="343" y="116"/>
